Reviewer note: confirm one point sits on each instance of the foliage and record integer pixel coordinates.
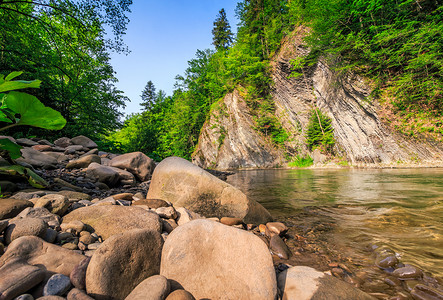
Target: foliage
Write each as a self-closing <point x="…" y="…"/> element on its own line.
<point x="320" y="133"/>
<point x="221" y="33"/>
<point x="301" y="162"/>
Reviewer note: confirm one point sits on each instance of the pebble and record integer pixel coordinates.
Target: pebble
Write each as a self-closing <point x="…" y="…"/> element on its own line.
<point x="279" y="247"/>
<point x="276" y="228"/>
<point x="408" y="272"/>
<point x="262" y="228"/>
<point x="231" y="221"/>
<point x="77" y="226"/>
<point x="180" y="295"/>
<point x="86" y="238"/>
<point x="58" y="285"/>
<point x="385" y="258"/>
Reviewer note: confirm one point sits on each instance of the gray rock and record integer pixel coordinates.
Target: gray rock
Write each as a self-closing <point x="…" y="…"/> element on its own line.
<point x="25" y="227"/>
<point x="60" y="157"/>
<point x="125" y="177"/>
<point x="73" y="149"/>
<point x="136" y="162"/>
<point x="166" y="212"/>
<point x="55" y="203"/>
<point x="217" y="254"/>
<point x="102" y="174"/>
<point x="8" y="186"/>
<point x="63" y="142"/>
<point x="24" y="297"/>
<point x="84" y="141"/>
<point x="58" y="285"/>
<point x="50" y="235"/>
<point x="154" y="288"/>
<point x="84" y="161"/>
<point x="114" y="271"/>
<point x="37" y="159"/>
<point x="40" y="213"/>
<point x="26" y="142"/>
<point x="17" y="278"/>
<point x="78" y="274"/>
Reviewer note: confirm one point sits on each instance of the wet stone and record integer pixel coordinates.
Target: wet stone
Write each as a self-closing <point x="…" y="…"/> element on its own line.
<point x="279" y="247"/>
<point x="385" y="258"/>
<point x="408" y="272"/>
<point x="423" y="292"/>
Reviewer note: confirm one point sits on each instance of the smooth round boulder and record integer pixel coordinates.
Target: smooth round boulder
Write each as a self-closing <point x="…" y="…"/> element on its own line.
<point x="180" y="295"/>
<point x="102" y="174"/>
<point x="113" y="219"/>
<point x="55" y="203"/>
<point x="122" y="262"/>
<point x="184" y="184"/>
<point x="25" y="227"/>
<point x="215" y="261"/>
<point x="136" y="162"/>
<point x="154" y="288"/>
<point x="9" y="208"/>
<point x="37" y="159"/>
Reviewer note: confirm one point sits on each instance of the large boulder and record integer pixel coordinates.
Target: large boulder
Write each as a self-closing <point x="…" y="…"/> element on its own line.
<point x="17" y="278"/>
<point x="37" y="159"/>
<point x="125" y="177"/>
<point x="84" y="141"/>
<point x="122" y="262"/>
<point x="184" y="184"/>
<point x="215" y="261"/>
<point x="37" y="252"/>
<point x="9" y="208"/>
<point x="84" y="161"/>
<point x="108" y="220"/>
<point x="25" y="227"/>
<point x="305" y="283"/>
<point x="136" y="162"/>
<point x="102" y="174"/>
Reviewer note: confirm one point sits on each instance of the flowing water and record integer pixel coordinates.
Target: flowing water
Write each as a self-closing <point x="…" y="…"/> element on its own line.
<point x="398" y="208"/>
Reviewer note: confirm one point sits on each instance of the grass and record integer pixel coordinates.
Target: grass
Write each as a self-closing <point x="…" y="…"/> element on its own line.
<point x="301" y="162"/>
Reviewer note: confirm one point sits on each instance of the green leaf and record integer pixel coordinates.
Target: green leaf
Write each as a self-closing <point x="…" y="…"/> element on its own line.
<point x="18" y="84"/>
<point x="33" y="179"/>
<point x="13" y="75"/>
<point x="33" y="112"/>
<point x="11" y="147"/>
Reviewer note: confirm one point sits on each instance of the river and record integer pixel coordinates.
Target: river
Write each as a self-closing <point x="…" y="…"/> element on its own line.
<point x="398" y="208"/>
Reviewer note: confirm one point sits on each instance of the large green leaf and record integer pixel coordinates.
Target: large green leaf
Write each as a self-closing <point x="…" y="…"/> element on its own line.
<point x="12" y="75"/>
<point x="16" y="170"/>
<point x="11" y="147"/>
<point x="18" y="84"/>
<point x="33" y="112"/>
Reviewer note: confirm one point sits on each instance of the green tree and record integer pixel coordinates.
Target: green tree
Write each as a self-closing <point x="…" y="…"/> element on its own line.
<point x="221" y="33"/>
<point x="148" y="96"/>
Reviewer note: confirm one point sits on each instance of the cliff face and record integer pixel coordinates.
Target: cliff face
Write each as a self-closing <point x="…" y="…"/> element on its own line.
<point x="228" y="138"/>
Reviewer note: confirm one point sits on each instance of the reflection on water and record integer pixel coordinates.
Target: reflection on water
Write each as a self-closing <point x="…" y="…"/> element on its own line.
<point x="399" y="208"/>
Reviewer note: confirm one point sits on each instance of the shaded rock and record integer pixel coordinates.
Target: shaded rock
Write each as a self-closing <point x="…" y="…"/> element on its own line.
<point x="125" y="177"/>
<point x="180" y="295"/>
<point x="184" y="184"/>
<point x="166" y="212"/>
<point x="63" y="142"/>
<point x="154" y="288"/>
<point x="3" y="225"/>
<point x="136" y="162"/>
<point x="25" y="297"/>
<point x="102" y="174"/>
<point x="63" y="183"/>
<point x="184" y="216"/>
<point x="17" y="278"/>
<point x="305" y="283"/>
<point x="9" y="207"/>
<point x="122" y="218"/>
<point x="55" y="203"/>
<point x="123" y="196"/>
<point x="78" y="274"/>
<point x="122" y="262"/>
<point x="60" y="157"/>
<point x="50" y="297"/>
<point x="84" y="161"/>
<point x="73" y="149"/>
<point x="26" y="142"/>
<point x="218" y="270"/>
<point x="385" y="258"/>
<point x="151" y="203"/>
<point x="8" y="186"/>
<point x="24" y="227"/>
<point x="40" y="213"/>
<point x="408" y="272"/>
<point x="76" y="294"/>
<point x="231" y="221"/>
<point x="84" y="141"/>
<point x="169" y="225"/>
<point x="37" y="159"/>
<point x="279" y="247"/>
<point x="87" y="238"/>
<point x="50" y="235"/>
<point x="276" y="228"/>
<point x="75" y="196"/>
<point x="35" y="251"/>
<point x="58" y="285"/>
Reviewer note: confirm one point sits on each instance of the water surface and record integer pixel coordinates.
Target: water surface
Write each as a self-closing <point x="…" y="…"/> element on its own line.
<point x="399" y="208"/>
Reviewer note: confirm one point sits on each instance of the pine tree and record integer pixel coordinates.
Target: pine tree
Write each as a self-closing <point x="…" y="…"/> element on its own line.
<point x="148" y="96"/>
<point x="222" y="34"/>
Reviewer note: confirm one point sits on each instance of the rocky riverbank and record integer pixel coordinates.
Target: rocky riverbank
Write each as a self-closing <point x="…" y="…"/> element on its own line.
<point x="119" y="227"/>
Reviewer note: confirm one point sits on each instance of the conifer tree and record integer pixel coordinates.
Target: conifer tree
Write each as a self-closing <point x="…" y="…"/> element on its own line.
<point x="222" y="34"/>
<point x="148" y="96"/>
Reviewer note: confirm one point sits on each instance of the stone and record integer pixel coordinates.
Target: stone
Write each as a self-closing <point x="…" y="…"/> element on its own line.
<point x="180" y="295"/>
<point x="184" y="216"/>
<point x="305" y="283"/>
<point x="184" y="184"/>
<point x="7" y="186"/>
<point x="45" y="142"/>
<point x="56" y="204"/>
<point x="76" y="225"/>
<point x="87" y="238"/>
<point x="122" y="218"/>
<point x="60" y="157"/>
<point x="40" y="213"/>
<point x="78" y="274"/>
<point x="276" y="228"/>
<point x="26" y="142"/>
<point x="37" y="159"/>
<point x="226" y="263"/>
<point x="231" y="221"/>
<point x="125" y="177"/>
<point x="3" y="225"/>
<point x="385" y="258"/>
<point x="42" y="148"/>
<point x="75" y="196"/>
<point x="25" y="227"/>
<point x="423" y="292"/>
<point x="73" y="149"/>
<point x="77" y="294"/>
<point x="63" y="142"/>
<point x="84" y="141"/>
<point x="166" y="212"/>
<point x="9" y="207"/>
<point x="51" y="297"/>
<point x="68" y="185"/>
<point x="50" y="235"/>
<point x="102" y="174"/>
<point x="136" y="162"/>
<point x="154" y="288"/>
<point x="123" y="196"/>
<point x="151" y="203"/>
<point x="279" y="247"/>
<point x="24" y="297"/>
<point x="58" y="285"/>
<point x="84" y="161"/>
<point x="122" y="262"/>
<point x="36" y="251"/>
<point x="8" y="137"/>
<point x="18" y="278"/>
<point x="169" y="225"/>
<point x="408" y="272"/>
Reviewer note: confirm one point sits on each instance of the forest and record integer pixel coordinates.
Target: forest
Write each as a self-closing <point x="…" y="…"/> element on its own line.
<point x="396" y="45"/>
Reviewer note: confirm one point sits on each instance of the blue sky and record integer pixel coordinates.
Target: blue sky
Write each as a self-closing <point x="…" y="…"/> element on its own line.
<point x="162" y="36"/>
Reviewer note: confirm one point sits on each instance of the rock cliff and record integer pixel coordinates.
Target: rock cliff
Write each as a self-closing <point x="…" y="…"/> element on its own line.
<point x="228" y="139"/>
